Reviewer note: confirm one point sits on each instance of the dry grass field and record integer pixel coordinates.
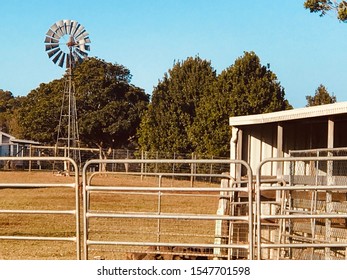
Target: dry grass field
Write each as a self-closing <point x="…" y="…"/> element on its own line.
<point x="120" y="229"/>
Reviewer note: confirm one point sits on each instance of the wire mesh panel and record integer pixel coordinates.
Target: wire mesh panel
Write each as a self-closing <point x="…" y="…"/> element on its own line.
<point x="163" y="216"/>
<point x="303" y="217"/>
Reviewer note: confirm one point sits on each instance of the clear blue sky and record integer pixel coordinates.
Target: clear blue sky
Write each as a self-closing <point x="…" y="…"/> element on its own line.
<point x="147" y="36"/>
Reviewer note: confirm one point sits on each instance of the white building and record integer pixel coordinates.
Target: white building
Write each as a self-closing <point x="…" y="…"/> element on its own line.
<point x="10" y="146"/>
<point x="271" y="135"/>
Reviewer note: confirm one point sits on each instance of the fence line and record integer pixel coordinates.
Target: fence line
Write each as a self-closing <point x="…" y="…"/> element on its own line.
<point x="301" y="215"/>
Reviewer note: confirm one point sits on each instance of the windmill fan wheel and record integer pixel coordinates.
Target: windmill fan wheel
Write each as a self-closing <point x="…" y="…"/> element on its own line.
<point x="67" y="42"/>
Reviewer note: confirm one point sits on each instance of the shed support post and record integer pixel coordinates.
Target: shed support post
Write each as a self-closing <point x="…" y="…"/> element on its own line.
<point x="328" y="196"/>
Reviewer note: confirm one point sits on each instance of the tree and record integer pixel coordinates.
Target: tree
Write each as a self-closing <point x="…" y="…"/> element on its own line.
<point x="109" y="107"/>
<point x="166" y="126"/>
<point x="251" y="87"/>
<point x="191" y="106"/>
<point x="6" y="109"/>
<point x="39" y="112"/>
<point x="324" y="6"/>
<point x="244" y="88"/>
<point x="321" y="97"/>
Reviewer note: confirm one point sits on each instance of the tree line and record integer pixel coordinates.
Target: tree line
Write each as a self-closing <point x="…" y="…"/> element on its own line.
<point x="187" y="112"/>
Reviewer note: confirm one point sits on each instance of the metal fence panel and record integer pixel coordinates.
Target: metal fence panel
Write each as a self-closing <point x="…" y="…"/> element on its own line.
<point x="40" y="214"/>
<point x="162" y="215"/>
<point x="303" y="215"/>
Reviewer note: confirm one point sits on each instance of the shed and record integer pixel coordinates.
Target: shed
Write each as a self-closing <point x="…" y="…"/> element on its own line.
<point x="271" y="135"/>
<point x="11" y="146"/>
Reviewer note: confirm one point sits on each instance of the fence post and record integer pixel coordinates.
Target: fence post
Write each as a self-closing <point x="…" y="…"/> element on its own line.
<point x="30" y="155"/>
<point x="222" y="226"/>
<point x="192" y="171"/>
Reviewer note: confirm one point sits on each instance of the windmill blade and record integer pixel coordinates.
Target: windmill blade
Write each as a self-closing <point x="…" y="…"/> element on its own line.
<point x="60" y="23"/>
<point x="61" y="62"/>
<point x="75" y="28"/>
<point x="50" y="33"/>
<point x="77" y="57"/>
<point x="54" y="27"/>
<point x="82" y="35"/>
<point x="51" y="46"/>
<point x="80" y="52"/>
<point x="53" y="52"/>
<point x="64" y="27"/>
<point x="83" y="41"/>
<point x="55" y="59"/>
<point x="60" y="28"/>
<point x="78" y="31"/>
<point x="51" y="40"/>
<point x="55" y="32"/>
<point x="82" y="45"/>
<point x="67" y="24"/>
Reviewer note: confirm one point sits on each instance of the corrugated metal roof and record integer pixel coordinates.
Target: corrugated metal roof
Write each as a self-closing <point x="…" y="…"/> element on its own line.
<point x="294" y="114"/>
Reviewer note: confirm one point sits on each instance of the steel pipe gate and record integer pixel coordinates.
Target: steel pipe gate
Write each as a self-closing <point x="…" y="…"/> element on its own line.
<point x="73" y="211"/>
<point x="167" y="220"/>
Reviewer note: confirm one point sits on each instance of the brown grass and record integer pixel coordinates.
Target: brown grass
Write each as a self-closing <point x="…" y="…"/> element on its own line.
<point x="99" y="229"/>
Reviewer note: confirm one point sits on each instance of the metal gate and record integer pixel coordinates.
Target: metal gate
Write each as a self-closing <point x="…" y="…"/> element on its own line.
<point x="46" y="213"/>
<point x="166" y="209"/>
<point x="303" y="215"/>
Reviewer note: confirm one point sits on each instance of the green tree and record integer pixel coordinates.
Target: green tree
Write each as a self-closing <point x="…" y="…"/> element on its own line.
<point x="191" y="106"/>
<point x="251" y="87"/>
<point x="39" y="112"/>
<point x="320" y="97"/>
<point x="166" y="126"/>
<point x="244" y="88"/>
<point x="8" y="106"/>
<point x="324" y="6"/>
<point x="109" y="107"/>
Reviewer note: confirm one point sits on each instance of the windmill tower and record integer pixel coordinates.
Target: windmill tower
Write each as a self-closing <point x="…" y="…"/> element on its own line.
<point x="67" y="43"/>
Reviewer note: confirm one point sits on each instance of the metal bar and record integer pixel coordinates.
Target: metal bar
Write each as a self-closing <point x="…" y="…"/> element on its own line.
<point x="167" y="216"/>
<point x="303" y="188"/>
<point x="305" y="245"/>
<point x="307" y="216"/>
<point x="51" y="212"/>
<point x="166" y="189"/>
<point x="33" y="185"/>
<point x="229" y="246"/>
<point x="39" y="238"/>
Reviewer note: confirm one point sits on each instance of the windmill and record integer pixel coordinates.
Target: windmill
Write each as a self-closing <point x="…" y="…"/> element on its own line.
<point x="67" y="43"/>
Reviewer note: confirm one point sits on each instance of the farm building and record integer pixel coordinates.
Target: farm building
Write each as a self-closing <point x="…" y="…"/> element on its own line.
<point x="11" y="146"/>
<point x="278" y="134"/>
<point x="299" y="159"/>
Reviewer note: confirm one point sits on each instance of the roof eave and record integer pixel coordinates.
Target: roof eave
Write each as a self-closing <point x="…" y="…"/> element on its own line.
<point x="294" y="114"/>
